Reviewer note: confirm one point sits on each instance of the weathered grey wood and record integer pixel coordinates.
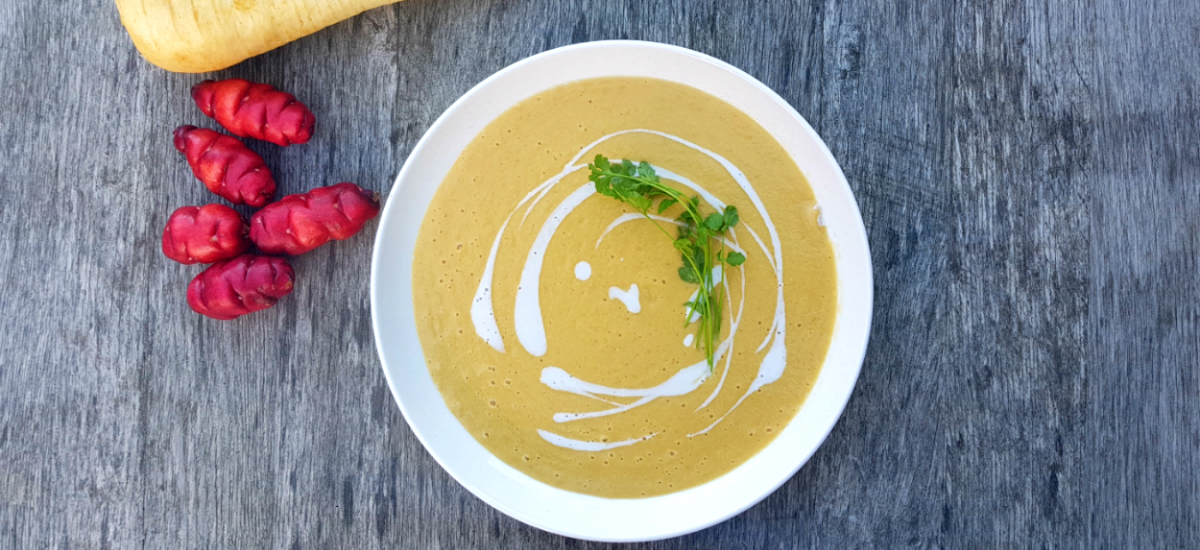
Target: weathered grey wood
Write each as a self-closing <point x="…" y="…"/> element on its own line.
<point x="1027" y="171"/>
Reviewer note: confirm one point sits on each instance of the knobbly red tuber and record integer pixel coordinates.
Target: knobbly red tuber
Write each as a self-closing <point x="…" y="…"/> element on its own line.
<point x="247" y="283"/>
<point x="204" y="235"/>
<point x="226" y="166"/>
<point x="249" y="109"/>
<point x="296" y="224"/>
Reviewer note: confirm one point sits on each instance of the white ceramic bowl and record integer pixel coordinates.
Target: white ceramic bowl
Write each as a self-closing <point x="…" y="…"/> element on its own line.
<point x="507" y="489"/>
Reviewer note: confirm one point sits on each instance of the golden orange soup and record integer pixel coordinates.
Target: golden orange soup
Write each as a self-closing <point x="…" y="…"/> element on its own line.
<point x="552" y="318"/>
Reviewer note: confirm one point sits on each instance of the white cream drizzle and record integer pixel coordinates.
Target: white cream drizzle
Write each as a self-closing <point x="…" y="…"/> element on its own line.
<point x="482" y="315"/>
<point x="580" y="445"/>
<point x="530" y="327"/>
<point x="687" y="340"/>
<point x="682" y="383"/>
<point x="531" y="330"/>
<point x="627" y="297"/>
<point x="583" y="271"/>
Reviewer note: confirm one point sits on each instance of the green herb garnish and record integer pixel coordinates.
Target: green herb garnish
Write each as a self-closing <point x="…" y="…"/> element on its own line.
<point x="638" y="186"/>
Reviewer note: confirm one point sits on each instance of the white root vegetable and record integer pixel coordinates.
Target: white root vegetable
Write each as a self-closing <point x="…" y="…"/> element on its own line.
<point x="195" y="36"/>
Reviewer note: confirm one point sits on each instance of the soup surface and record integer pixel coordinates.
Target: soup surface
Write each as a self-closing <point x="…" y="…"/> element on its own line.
<point x="552" y="318"/>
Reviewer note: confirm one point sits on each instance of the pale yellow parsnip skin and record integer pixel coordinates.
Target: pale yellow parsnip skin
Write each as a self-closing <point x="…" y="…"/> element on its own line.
<point x="196" y="36"/>
<point x="498" y="396"/>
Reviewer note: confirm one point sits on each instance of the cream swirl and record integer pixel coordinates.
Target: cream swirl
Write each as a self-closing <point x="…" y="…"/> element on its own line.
<point x="530" y="327"/>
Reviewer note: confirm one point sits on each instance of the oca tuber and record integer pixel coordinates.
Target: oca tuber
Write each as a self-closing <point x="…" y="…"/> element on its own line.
<point x="226" y="166"/>
<point x="245" y="284"/>
<point x="298" y="223"/>
<point x="259" y="111"/>
<point x="207" y="234"/>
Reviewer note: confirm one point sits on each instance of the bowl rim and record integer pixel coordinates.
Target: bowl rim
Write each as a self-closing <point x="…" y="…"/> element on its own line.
<point x="852" y="337"/>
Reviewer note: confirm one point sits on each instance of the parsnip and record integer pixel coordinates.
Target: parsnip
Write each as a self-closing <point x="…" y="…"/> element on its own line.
<point x="195" y="36"/>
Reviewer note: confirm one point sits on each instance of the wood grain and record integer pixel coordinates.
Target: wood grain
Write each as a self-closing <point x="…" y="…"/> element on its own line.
<point x="1027" y="172"/>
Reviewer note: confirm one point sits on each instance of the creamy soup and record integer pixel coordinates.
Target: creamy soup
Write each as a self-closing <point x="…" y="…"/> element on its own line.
<point x="552" y="318"/>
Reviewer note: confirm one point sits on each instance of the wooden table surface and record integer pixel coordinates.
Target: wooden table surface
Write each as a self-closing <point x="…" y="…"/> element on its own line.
<point x="1027" y="170"/>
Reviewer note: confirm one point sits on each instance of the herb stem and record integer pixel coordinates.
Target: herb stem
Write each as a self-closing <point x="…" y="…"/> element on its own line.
<point x="639" y="186"/>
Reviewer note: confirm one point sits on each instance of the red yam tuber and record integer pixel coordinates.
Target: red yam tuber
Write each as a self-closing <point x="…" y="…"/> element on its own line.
<point x="259" y="111"/>
<point x="247" y="283"/>
<point x="298" y="223"/>
<point x="226" y="166"/>
<point x="204" y="235"/>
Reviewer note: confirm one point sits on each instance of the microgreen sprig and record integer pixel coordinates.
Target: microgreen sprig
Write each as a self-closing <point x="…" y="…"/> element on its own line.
<point x="639" y="186"/>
